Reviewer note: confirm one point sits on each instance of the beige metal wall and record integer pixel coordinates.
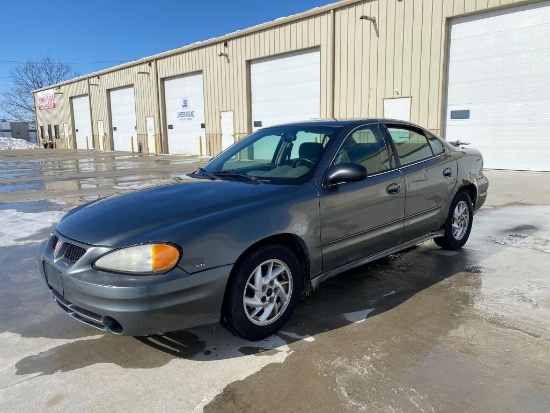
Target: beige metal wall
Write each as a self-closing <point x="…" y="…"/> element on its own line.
<point x="62" y="113"/>
<point x="402" y="55"/>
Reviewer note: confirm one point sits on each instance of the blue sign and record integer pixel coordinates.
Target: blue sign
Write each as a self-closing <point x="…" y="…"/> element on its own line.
<point x="184" y="103"/>
<point x="188" y="114"/>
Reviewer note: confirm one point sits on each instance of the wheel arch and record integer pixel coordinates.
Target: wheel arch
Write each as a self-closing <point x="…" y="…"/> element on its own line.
<point x="290" y="241"/>
<point x="471" y="190"/>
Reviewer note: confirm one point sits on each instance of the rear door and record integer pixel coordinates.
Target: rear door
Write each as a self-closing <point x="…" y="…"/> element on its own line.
<point x="430" y="176"/>
<point x="359" y="219"/>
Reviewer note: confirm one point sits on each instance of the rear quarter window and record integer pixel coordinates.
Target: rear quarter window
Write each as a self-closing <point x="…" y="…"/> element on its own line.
<point x="436" y="144"/>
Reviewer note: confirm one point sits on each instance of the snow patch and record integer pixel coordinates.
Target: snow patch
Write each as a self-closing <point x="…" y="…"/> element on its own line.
<point x="297" y="336"/>
<point x="16" y="227"/>
<point x="358" y="316"/>
<point x="12" y="143"/>
<point x="523" y="241"/>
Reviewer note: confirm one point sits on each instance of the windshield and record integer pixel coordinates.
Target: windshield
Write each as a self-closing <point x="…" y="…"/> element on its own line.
<point x="277" y="155"/>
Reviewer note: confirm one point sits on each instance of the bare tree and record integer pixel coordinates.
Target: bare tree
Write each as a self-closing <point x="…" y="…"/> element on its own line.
<point x="34" y="74"/>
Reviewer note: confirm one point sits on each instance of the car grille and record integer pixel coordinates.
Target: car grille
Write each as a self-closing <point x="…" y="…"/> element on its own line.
<point x="73" y="253"/>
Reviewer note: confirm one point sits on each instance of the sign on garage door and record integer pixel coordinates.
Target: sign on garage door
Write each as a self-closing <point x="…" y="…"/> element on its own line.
<point x="82" y="122"/>
<point x="286" y="88"/>
<point x="123" y="118"/>
<point x="185" y="113"/>
<point x="499" y="86"/>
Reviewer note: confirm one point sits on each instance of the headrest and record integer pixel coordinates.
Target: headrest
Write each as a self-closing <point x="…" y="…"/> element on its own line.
<point x="311" y="150"/>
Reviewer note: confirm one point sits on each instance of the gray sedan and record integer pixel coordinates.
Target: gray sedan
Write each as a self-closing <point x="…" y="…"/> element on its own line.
<point x="268" y="219"/>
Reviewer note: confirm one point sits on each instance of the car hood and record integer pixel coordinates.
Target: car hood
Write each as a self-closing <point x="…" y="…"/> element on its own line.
<point x="123" y="220"/>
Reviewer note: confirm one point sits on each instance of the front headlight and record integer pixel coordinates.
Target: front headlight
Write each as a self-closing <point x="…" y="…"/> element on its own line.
<point x="149" y="259"/>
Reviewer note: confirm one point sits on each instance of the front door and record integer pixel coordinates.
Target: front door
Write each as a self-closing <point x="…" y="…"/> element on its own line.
<point x="151" y="142"/>
<point x="430" y="177"/>
<point x="101" y="134"/>
<point x="359" y="219"/>
<point x="228" y="133"/>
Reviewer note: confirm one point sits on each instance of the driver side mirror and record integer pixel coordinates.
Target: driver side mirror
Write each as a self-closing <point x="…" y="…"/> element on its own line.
<point x="345" y="172"/>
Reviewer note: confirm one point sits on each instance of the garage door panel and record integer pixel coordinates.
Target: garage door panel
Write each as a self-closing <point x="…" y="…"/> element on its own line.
<point x="511" y="89"/>
<point x="504" y="115"/>
<point x="274" y="64"/>
<point x="285" y="92"/>
<point x="184" y="135"/>
<point x="498" y="67"/>
<point x="283" y="73"/>
<point x="500" y="21"/>
<point x="288" y="107"/>
<point x="519" y="41"/>
<point x="286" y="88"/>
<point x="499" y="70"/>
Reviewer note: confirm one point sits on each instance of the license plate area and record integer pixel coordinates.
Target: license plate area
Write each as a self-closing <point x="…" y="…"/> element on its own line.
<point x="54" y="278"/>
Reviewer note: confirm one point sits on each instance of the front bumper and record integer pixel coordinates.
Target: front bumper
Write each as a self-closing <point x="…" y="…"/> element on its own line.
<point x="130" y="305"/>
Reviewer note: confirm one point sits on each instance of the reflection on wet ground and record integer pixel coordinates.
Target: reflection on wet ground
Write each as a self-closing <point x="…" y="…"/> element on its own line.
<point x="419" y="331"/>
<point x="69" y="180"/>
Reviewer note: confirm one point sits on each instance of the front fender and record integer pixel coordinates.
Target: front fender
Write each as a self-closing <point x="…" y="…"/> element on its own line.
<point x="221" y="238"/>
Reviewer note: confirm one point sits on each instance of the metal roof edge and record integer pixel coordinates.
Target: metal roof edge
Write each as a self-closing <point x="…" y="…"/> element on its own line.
<point x="203" y="43"/>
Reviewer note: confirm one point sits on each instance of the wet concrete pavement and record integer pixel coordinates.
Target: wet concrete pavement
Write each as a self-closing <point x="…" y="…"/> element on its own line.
<point x="424" y="330"/>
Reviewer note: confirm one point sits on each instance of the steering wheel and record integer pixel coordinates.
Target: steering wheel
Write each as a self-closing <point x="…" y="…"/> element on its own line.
<point x="298" y="161"/>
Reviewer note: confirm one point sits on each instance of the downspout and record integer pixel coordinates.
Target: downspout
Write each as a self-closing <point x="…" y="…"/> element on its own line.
<point x="35" y="118"/>
<point x="332" y="64"/>
<point x="160" y="148"/>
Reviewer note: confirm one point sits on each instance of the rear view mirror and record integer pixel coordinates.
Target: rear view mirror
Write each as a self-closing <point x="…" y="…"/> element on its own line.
<point x="345" y="172"/>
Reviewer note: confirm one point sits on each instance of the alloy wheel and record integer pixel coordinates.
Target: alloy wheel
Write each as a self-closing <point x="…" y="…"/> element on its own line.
<point x="267" y="292"/>
<point x="461" y="220"/>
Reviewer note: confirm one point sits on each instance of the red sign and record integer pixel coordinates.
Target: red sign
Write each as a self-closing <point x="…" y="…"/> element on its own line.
<point x="46" y="100"/>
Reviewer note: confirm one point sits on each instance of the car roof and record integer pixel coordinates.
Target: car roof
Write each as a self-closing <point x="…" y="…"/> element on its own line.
<point x="340" y="122"/>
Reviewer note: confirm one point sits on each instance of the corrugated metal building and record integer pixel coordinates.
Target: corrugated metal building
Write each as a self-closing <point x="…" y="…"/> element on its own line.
<point x="478" y="70"/>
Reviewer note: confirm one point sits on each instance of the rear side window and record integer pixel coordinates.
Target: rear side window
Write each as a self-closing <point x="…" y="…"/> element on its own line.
<point x="436" y="144"/>
<point x="412" y="146"/>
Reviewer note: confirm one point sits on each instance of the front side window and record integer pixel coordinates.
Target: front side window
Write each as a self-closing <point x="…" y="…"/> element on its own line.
<point x="412" y="146"/>
<point x="366" y="147"/>
<point x="277" y="155"/>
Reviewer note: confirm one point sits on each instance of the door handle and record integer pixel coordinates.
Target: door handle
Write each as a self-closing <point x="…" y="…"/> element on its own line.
<point x="447" y="173"/>
<point x="393" y="189"/>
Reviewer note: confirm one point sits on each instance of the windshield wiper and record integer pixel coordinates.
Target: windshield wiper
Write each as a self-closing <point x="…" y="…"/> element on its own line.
<point x="206" y="174"/>
<point x="232" y="174"/>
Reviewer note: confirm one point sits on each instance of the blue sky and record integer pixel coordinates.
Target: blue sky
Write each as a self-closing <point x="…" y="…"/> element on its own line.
<point x="93" y="35"/>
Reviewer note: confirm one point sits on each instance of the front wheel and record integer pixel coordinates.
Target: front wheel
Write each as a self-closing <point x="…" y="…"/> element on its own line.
<point x="263" y="293"/>
<point x="458" y="224"/>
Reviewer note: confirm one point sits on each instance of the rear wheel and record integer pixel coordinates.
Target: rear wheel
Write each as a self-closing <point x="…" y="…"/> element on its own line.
<point x="263" y="293"/>
<point x="458" y="224"/>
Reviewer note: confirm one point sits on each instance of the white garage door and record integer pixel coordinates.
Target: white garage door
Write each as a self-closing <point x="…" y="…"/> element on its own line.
<point x="123" y="118"/>
<point x="286" y="88"/>
<point x="82" y="122"/>
<point x="185" y="113"/>
<point x="499" y="86"/>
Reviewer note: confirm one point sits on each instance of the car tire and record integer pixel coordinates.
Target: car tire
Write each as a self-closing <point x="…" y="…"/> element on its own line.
<point x="458" y="224"/>
<point x="263" y="293"/>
